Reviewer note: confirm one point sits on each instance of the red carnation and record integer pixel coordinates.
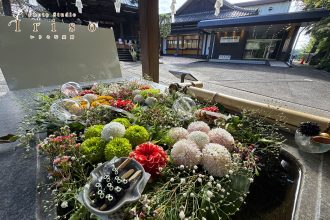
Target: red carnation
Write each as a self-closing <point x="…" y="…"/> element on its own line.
<point x="152" y="157"/>
<point x="211" y="109"/>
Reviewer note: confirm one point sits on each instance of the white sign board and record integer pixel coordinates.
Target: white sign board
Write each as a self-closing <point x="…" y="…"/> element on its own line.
<point x="43" y="53"/>
<point x="229" y="40"/>
<point x="224" y="57"/>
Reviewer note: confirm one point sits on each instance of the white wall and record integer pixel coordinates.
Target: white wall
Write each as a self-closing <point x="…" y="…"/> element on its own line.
<point x="282" y="7"/>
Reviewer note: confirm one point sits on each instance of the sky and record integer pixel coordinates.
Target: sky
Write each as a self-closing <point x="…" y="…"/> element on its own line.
<point x="164" y="7"/>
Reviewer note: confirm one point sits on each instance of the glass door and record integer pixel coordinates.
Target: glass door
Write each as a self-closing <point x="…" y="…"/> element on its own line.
<point x="265" y="49"/>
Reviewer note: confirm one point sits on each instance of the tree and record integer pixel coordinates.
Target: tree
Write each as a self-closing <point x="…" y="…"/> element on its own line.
<point x="6" y="7"/>
<point x="321" y="33"/>
<point x="164" y="25"/>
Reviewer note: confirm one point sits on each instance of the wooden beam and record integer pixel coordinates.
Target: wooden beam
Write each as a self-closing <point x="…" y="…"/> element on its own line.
<point x="6" y="5"/>
<point x="149" y="28"/>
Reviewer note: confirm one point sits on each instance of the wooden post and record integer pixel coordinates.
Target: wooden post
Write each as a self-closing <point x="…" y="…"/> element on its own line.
<point x="149" y="27"/>
<point x="7" y="7"/>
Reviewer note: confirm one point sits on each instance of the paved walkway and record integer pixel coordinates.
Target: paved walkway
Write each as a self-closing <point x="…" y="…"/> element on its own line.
<point x="3" y="84"/>
<point x="301" y="88"/>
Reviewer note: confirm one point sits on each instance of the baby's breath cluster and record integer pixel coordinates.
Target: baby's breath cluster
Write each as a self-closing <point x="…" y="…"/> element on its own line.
<point x="197" y="195"/>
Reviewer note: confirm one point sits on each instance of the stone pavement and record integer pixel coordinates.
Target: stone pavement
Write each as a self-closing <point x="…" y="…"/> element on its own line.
<point x="300" y="88"/>
<point x="3" y="84"/>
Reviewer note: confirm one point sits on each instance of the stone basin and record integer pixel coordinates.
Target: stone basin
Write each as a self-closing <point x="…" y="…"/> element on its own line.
<point x="274" y="199"/>
<point x="306" y="198"/>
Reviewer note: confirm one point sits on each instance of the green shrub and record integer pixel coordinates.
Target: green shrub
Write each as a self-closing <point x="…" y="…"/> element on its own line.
<point x="119" y="147"/>
<point x="137" y="135"/>
<point x="93" y="131"/>
<point x="93" y="149"/>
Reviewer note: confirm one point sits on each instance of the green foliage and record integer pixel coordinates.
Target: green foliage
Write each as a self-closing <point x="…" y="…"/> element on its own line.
<point x="93" y="131"/>
<point x="123" y="121"/>
<point x="164" y="25"/>
<point x="99" y="115"/>
<point x="137" y="135"/>
<point x="93" y="148"/>
<point x="119" y="147"/>
<point x="321" y="32"/>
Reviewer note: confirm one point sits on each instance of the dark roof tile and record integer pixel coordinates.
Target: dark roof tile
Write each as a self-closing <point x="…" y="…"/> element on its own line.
<point x="209" y="15"/>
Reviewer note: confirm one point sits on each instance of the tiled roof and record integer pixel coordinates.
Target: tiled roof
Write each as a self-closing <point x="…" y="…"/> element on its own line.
<point x="130" y="3"/>
<point x="209" y="15"/>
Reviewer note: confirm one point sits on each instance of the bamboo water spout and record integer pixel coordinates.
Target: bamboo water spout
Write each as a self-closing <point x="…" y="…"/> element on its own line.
<point x="291" y="118"/>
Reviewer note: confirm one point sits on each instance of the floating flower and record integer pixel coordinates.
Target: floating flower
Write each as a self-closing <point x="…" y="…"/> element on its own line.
<point x="93" y="149"/>
<point x="151" y="101"/>
<point x="178" y="133"/>
<point x="149" y="92"/>
<point x="198" y="126"/>
<point x="90" y="97"/>
<point x="102" y="100"/>
<point x="64" y="205"/>
<point x="211" y="109"/>
<point x="84" y="92"/>
<point x="93" y="131"/>
<point x="152" y="157"/>
<point x="216" y="160"/>
<point x="186" y="152"/>
<point x="137" y="135"/>
<point x="112" y="130"/>
<point x="123" y="121"/>
<point x="222" y="137"/>
<point x="123" y="104"/>
<point x="138" y="99"/>
<point x="200" y="138"/>
<point x="136" y="92"/>
<point x="119" y="147"/>
<point x="144" y="87"/>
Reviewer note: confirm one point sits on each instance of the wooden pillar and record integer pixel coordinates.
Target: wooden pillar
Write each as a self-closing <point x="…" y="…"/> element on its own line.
<point x="198" y="44"/>
<point x="211" y="48"/>
<point x="7" y="7"/>
<point x="121" y="30"/>
<point x="149" y="28"/>
<point x="177" y="44"/>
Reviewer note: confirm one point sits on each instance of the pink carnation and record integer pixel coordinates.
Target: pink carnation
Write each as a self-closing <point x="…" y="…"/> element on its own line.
<point x="222" y="137"/>
<point x="198" y="126"/>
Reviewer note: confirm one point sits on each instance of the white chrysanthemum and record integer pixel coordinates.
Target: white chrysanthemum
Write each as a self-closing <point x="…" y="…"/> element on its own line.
<point x="178" y="133"/>
<point x="216" y="160"/>
<point x="138" y="99"/>
<point x="198" y="126"/>
<point x="222" y="137"/>
<point x="151" y="101"/>
<point x="200" y="138"/>
<point x="112" y="130"/>
<point x="186" y="153"/>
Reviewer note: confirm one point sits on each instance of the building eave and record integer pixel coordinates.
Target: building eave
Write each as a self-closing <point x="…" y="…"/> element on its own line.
<point x="295" y="17"/>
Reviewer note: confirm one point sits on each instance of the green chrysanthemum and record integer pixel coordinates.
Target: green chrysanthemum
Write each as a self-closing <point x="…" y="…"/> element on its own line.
<point x="119" y="147"/>
<point x="123" y="121"/>
<point x="137" y="135"/>
<point x="93" y="131"/>
<point x="93" y="149"/>
<point x="149" y="92"/>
